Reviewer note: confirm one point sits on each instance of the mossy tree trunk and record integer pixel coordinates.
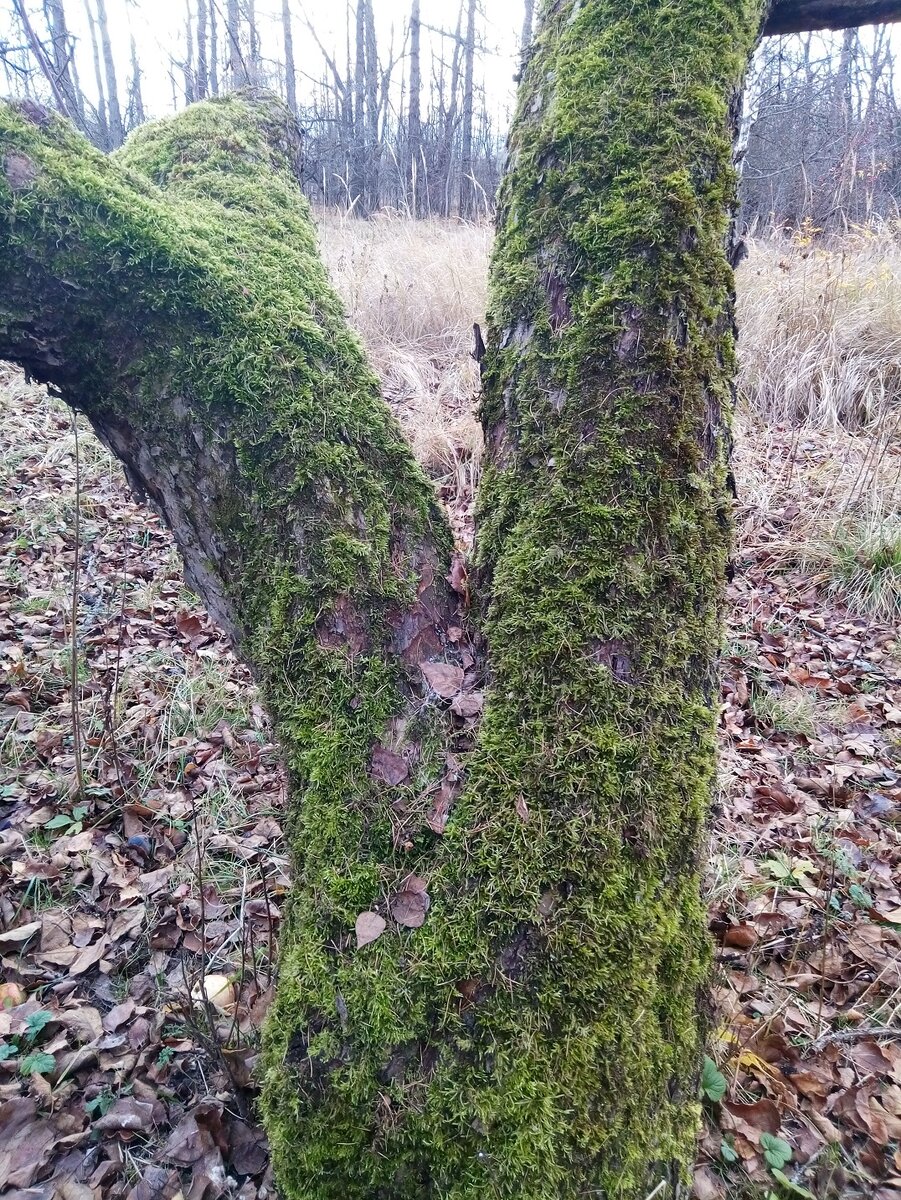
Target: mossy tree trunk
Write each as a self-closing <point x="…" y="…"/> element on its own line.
<point x="529" y="1021"/>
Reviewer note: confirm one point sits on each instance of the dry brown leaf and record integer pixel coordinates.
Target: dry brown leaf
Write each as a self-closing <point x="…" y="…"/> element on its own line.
<point x="444" y="679"/>
<point x="468" y="704"/>
<point x="410" y="905"/>
<point x="387" y="766"/>
<point x="369" y="926"/>
<point x="19" y="935"/>
<point x="127" y="1115"/>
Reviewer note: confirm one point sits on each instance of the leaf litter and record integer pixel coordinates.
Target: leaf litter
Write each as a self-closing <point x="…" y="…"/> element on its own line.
<point x="133" y="980"/>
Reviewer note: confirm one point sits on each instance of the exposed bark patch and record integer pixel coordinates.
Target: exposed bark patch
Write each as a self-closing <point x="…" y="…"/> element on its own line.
<point x="314" y="1069"/>
<point x="559" y="311"/>
<point x="420" y="629"/>
<point x="630" y="338"/>
<point x="35" y="113"/>
<point x="521" y="953"/>
<point x="20" y="170"/>
<point x="410" y="1064"/>
<point x="614" y="654"/>
<point x="344" y="626"/>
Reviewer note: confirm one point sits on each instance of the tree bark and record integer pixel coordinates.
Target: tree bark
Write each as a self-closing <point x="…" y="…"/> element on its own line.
<point x="103" y="130"/>
<point x="528" y="1022"/>
<point x="62" y="50"/>
<point x="238" y="76"/>
<point x="525" y="37"/>
<point x="202" y="76"/>
<point x="469" y="56"/>
<point x="214" y="52"/>
<point x="358" y="147"/>
<point x="136" y="103"/>
<point x="290" y="69"/>
<point x="414" y="126"/>
<point x="113" y="108"/>
<point x="796" y="16"/>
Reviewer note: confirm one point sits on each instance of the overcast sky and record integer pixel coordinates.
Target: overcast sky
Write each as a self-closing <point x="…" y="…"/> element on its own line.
<point x="158" y="30"/>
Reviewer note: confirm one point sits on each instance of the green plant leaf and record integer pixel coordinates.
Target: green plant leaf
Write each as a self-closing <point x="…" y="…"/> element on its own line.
<point x="35" y="1022"/>
<point x="727" y="1153"/>
<point x="6" y="1051"/>
<point x="37" y="1063"/>
<point x="776" y="1150"/>
<point x="713" y="1081"/>
<point x="793" y="1188"/>
<point x="101" y="1104"/>
<point x="60" y="821"/>
<point x="861" y="898"/>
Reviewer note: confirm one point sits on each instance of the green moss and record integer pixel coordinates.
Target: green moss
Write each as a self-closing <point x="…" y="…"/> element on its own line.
<point x="537" y="1038"/>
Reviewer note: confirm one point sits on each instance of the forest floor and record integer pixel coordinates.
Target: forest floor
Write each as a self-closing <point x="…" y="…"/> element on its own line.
<point x="139" y="915"/>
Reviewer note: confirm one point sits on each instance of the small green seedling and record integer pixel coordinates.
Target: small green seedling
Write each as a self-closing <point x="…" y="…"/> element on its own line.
<point x="713" y="1081"/>
<point x="72" y="822"/>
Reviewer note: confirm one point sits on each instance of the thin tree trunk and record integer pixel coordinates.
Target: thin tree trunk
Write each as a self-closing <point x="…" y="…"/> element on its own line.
<point x="202" y="84"/>
<point x="102" y="120"/>
<point x="525" y="38"/>
<point x="358" y="178"/>
<point x="137" y="95"/>
<point x="256" y="65"/>
<point x="62" y="52"/>
<point x="373" y="141"/>
<point x="188" y="66"/>
<point x="44" y="63"/>
<point x="237" y="70"/>
<point x="214" y="50"/>
<point x="469" y="54"/>
<point x="414" y="130"/>
<point x="114" y="111"/>
<point x="290" y="71"/>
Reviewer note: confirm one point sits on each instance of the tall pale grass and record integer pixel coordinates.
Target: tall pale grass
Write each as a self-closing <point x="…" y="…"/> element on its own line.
<point x="413" y="290"/>
<point x="820" y="380"/>
<point x="820" y="328"/>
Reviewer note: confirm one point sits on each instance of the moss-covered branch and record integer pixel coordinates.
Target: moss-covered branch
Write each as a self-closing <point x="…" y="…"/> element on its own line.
<point x="795" y="16"/>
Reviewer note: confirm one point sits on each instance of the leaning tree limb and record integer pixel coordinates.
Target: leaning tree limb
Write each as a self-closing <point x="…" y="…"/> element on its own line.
<point x="797" y="16"/>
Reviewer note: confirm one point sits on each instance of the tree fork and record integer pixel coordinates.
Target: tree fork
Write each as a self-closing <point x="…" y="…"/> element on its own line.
<point x="529" y="1022"/>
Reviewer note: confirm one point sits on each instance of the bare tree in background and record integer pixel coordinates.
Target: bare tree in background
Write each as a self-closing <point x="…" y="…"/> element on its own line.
<point x="469" y="57"/>
<point x="237" y="71"/>
<point x="201" y="77"/>
<point x="525" y="38"/>
<point x="414" y="132"/>
<point x="114" y="112"/>
<point x="290" y="70"/>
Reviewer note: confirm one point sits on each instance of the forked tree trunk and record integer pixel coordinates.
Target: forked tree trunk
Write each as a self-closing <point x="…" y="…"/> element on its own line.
<point x="529" y="1021"/>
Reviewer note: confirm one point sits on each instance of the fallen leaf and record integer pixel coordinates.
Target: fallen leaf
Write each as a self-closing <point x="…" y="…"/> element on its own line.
<point x="388" y="766"/>
<point x="368" y="927"/>
<point x="468" y="704"/>
<point x="444" y="679"/>
<point x="20" y="935"/>
<point x="410" y="905"/>
<point x="126" y="1115"/>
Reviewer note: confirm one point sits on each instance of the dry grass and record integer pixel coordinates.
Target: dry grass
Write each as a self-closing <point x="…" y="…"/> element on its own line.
<point x="821" y="328"/>
<point x="413" y="290"/>
<point x="820" y="381"/>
